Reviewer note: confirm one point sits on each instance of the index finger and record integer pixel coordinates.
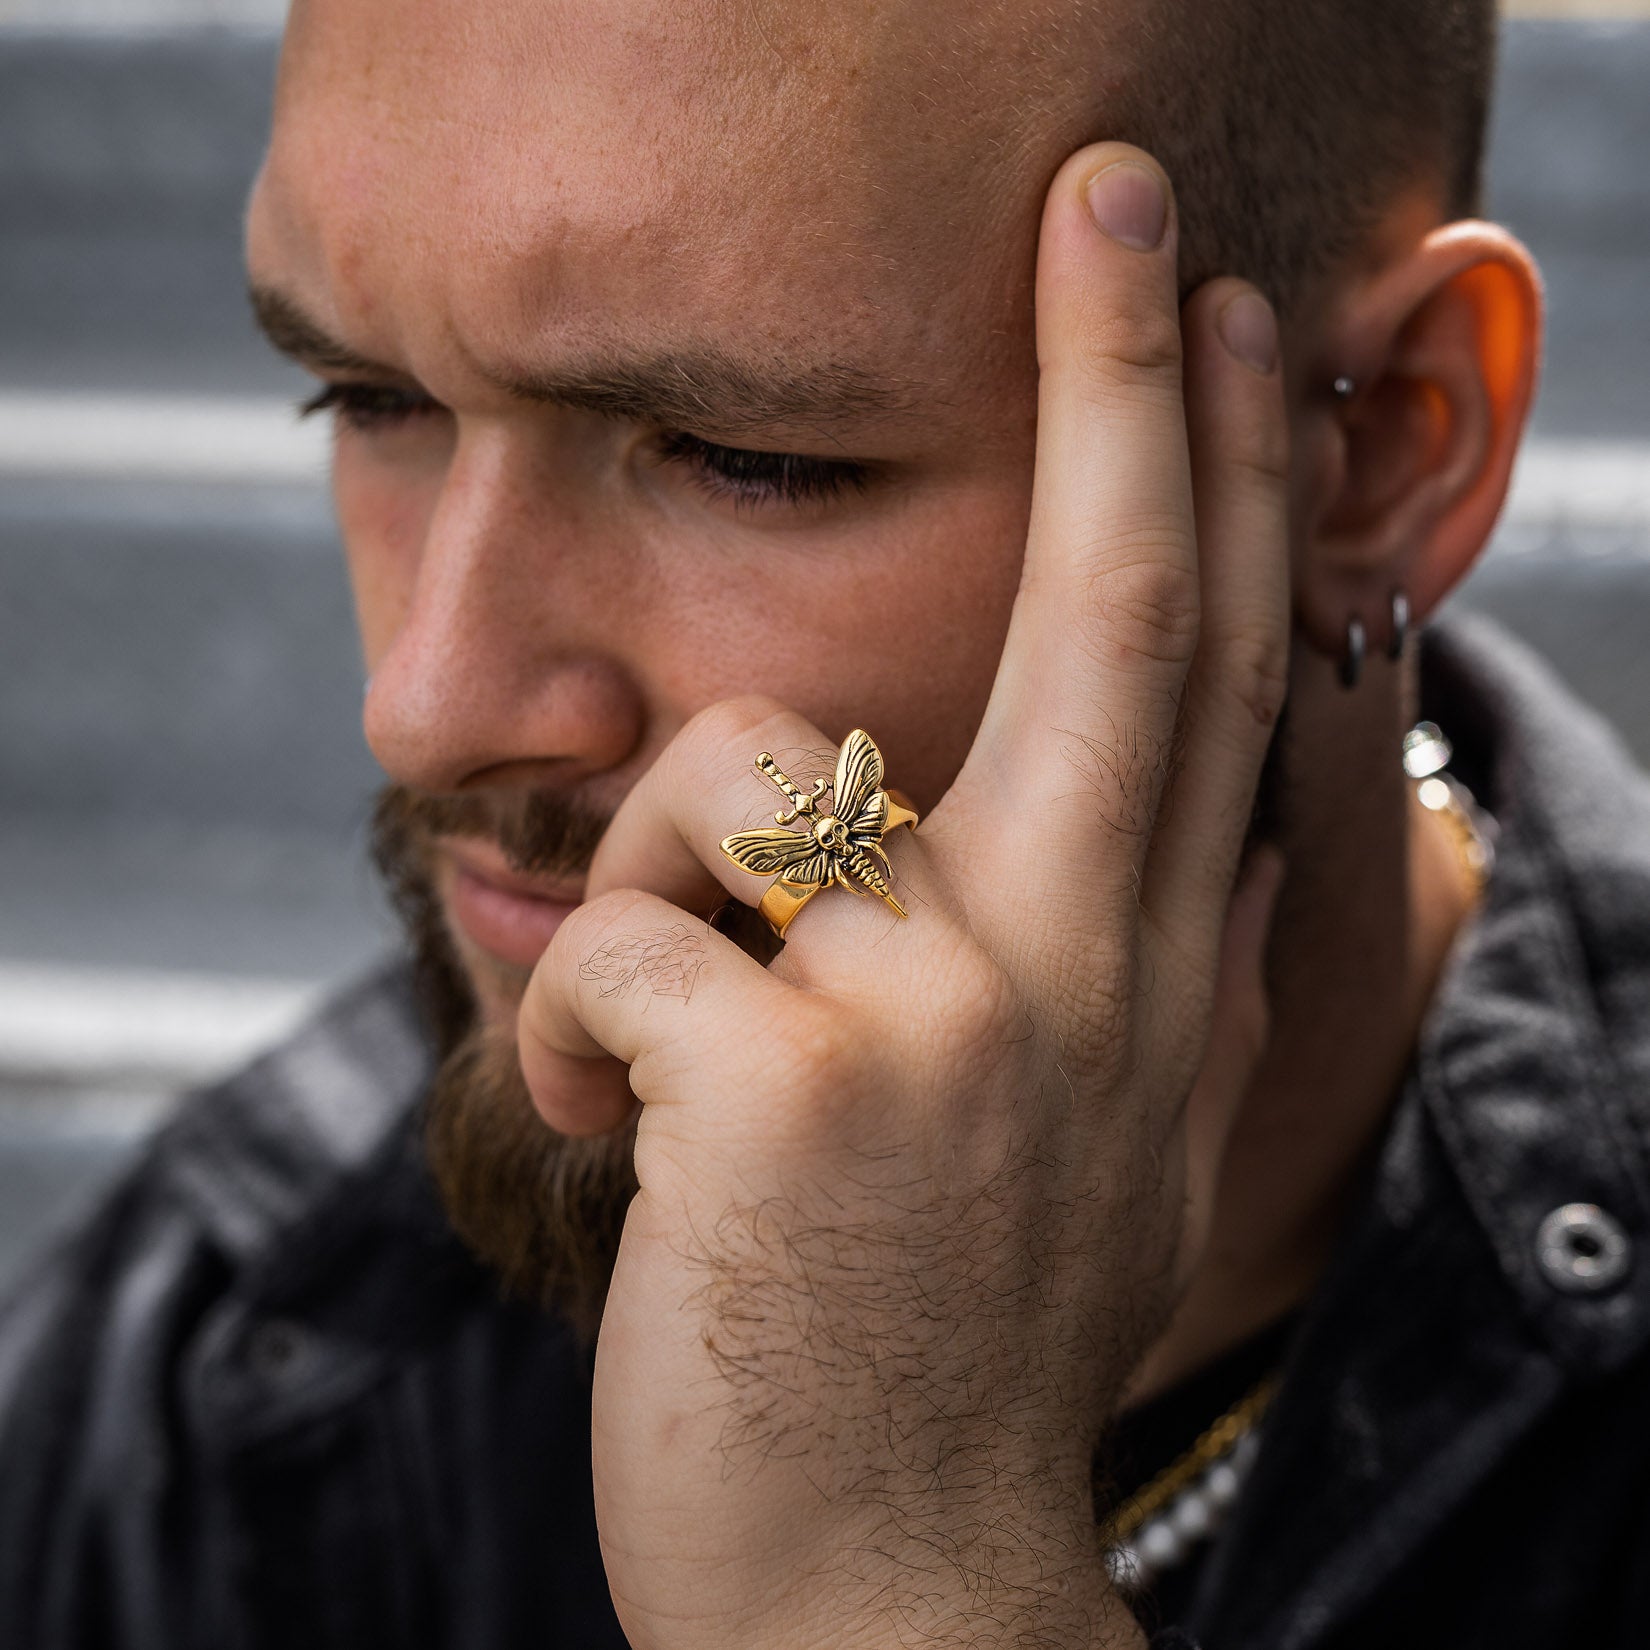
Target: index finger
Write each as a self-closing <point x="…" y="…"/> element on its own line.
<point x="1105" y="624"/>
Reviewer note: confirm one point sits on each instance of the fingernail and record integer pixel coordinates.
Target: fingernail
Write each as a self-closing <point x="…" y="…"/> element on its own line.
<point x="1249" y="330"/>
<point x="1128" y="203"/>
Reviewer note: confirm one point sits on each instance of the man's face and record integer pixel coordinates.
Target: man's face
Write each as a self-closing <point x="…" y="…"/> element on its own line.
<point x="588" y="270"/>
<point x="682" y="349"/>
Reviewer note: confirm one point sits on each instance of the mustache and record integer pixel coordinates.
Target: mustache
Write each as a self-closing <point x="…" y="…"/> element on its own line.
<point x="541" y="833"/>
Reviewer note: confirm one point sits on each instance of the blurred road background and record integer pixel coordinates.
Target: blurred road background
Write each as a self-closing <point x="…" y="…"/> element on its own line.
<point x="182" y="781"/>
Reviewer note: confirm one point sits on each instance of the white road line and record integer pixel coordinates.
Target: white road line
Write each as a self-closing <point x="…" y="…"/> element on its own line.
<point x="80" y="1024"/>
<point x="74" y="17"/>
<point x="191" y="438"/>
<point x="160" y="438"/>
<point x="1583" y="484"/>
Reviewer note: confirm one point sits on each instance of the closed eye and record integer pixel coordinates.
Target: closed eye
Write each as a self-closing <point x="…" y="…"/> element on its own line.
<point x="751" y="477"/>
<point x="369" y="406"/>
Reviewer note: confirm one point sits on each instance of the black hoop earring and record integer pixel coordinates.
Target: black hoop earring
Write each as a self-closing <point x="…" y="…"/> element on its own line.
<point x="1352" y="661"/>
<point x="1400" y="626"/>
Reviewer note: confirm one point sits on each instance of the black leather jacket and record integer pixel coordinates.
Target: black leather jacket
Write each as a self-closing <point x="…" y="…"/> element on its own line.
<point x="263" y="1399"/>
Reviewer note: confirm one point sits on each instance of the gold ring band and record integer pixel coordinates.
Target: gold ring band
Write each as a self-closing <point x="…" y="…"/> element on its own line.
<point x="841" y="842"/>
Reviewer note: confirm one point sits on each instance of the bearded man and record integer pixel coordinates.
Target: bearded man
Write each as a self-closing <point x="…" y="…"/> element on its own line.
<point x="1194" y="1189"/>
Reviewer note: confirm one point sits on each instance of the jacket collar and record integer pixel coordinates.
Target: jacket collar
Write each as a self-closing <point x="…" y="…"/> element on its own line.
<point x="1535" y="1065"/>
<point x="255" y="1157"/>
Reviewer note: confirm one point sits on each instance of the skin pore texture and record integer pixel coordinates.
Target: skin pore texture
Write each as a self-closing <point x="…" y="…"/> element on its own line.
<point x="566" y="258"/>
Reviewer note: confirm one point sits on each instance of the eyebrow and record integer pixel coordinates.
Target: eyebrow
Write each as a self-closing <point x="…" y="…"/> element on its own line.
<point x="701" y="388"/>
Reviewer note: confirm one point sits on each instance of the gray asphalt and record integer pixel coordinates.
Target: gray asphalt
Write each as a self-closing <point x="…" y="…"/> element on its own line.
<point x="182" y="782"/>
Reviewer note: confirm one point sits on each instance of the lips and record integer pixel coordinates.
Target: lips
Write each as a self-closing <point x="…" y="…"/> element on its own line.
<point x="509" y="916"/>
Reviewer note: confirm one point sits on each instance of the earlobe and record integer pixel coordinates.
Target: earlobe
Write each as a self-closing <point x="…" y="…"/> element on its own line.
<point x="1442" y="347"/>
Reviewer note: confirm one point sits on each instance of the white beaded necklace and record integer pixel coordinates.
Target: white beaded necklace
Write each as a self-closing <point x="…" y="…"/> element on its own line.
<point x="1158" y="1526"/>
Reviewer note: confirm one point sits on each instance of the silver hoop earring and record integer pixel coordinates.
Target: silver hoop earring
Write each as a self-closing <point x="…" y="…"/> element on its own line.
<point x="1352" y="661"/>
<point x="1400" y="626"/>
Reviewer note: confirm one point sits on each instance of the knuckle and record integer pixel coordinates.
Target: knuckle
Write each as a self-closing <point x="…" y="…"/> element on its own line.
<point x="723" y="738"/>
<point x="984" y="1007"/>
<point x="589" y="926"/>
<point x="1081" y="997"/>
<point x="819" y="1060"/>
<point x="1256" y="671"/>
<point x="1261" y="452"/>
<point x="1147" y="609"/>
<point x="1105" y="1009"/>
<point x="729" y="719"/>
<point x="1131" y="344"/>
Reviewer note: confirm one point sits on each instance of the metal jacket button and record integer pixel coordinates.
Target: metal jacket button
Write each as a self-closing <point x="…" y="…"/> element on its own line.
<point x="1582" y="1249"/>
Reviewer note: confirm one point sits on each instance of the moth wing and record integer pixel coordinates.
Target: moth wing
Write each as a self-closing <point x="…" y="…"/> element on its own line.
<point x="816" y="872"/>
<point x="858" y="774"/>
<point x="768" y="853"/>
<point x="872" y="820"/>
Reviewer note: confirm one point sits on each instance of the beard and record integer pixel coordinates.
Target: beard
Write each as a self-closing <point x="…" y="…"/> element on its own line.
<point x="542" y="1210"/>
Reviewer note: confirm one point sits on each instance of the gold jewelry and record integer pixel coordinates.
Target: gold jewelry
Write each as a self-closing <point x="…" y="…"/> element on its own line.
<point x="1212" y="1447"/>
<point x="840" y="839"/>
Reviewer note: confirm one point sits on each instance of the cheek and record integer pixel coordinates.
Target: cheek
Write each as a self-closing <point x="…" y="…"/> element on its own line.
<point x="899" y="632"/>
<point x="384" y="504"/>
<point x="950" y="639"/>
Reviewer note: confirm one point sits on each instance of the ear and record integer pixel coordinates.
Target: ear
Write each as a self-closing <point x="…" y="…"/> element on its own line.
<point x="1405" y="476"/>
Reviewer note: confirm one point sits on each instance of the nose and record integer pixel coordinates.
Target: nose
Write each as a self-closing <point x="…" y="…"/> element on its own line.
<point x="506" y="663"/>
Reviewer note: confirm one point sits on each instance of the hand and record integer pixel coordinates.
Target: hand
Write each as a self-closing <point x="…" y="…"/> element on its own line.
<point x="914" y="1199"/>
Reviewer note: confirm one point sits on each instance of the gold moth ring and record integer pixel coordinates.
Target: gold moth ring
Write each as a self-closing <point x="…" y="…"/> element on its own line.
<point x="840" y="841"/>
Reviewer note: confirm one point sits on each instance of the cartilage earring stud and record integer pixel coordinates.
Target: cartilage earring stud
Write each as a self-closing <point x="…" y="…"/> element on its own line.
<point x="1352" y="661"/>
<point x="1400" y="626"/>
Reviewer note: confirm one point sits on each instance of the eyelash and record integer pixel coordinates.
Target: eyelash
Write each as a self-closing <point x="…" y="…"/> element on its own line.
<point x="755" y="478"/>
<point x="739" y="473"/>
<point x="367" y="406"/>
